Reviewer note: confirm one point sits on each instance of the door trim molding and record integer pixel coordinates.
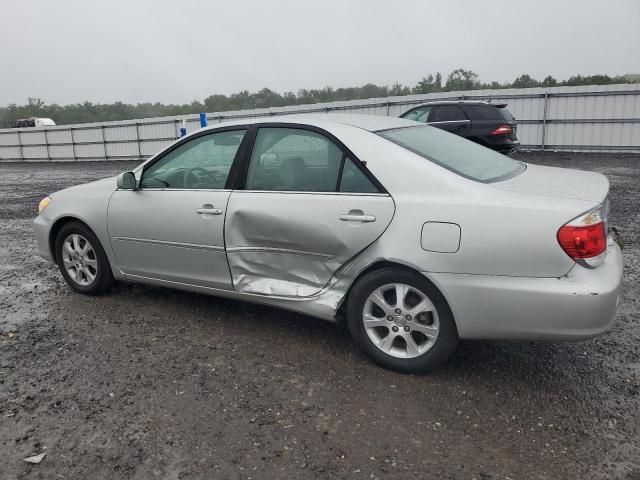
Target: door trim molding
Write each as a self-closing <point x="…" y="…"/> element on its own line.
<point x="308" y="192"/>
<point x="166" y="243"/>
<point x="281" y="251"/>
<point x="448" y="121"/>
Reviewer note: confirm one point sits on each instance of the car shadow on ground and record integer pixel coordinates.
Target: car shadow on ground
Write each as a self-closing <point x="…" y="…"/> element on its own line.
<point x="565" y="369"/>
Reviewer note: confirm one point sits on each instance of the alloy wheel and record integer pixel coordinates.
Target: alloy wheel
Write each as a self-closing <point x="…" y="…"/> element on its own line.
<point x="401" y="320"/>
<point x="79" y="259"/>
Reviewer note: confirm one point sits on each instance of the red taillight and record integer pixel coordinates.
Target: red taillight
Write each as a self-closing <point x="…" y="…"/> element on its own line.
<point x="584" y="239"/>
<point x="502" y="130"/>
<point x="583" y="242"/>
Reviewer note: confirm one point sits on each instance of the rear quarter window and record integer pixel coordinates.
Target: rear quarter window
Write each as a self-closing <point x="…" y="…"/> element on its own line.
<point x="489" y="112"/>
<point x="506" y="114"/>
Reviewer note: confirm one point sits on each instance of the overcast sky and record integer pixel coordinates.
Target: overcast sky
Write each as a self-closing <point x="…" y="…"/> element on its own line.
<point x="69" y="51"/>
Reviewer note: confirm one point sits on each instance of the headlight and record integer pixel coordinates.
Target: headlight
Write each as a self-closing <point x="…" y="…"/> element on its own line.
<point x="44" y="203"/>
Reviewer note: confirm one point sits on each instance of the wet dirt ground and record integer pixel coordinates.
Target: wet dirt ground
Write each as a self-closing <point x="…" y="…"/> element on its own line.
<point x="153" y="383"/>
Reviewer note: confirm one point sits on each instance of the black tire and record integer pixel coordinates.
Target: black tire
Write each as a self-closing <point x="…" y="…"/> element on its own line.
<point x="441" y="349"/>
<point x="103" y="276"/>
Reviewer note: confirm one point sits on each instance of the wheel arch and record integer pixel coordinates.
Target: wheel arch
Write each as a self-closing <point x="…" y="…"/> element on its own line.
<point x="106" y="278"/>
<point x="381" y="264"/>
<point x="57" y="226"/>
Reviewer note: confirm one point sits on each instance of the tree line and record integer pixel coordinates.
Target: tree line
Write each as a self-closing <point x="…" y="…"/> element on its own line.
<point x="459" y="79"/>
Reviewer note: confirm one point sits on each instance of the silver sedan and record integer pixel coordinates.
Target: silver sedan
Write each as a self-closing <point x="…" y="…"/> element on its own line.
<point x="415" y="236"/>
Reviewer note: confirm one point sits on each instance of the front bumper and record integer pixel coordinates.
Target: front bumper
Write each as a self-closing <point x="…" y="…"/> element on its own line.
<point x="579" y="305"/>
<point x="41" y="228"/>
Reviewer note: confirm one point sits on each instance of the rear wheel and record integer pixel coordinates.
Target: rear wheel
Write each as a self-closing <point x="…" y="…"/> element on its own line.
<point x="401" y="321"/>
<point x="82" y="260"/>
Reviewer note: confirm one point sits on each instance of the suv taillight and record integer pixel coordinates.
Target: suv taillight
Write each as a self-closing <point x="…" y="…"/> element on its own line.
<point x="584" y="238"/>
<point x="502" y="130"/>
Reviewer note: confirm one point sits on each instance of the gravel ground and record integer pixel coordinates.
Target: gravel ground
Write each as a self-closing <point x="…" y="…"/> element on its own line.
<point x="154" y="383"/>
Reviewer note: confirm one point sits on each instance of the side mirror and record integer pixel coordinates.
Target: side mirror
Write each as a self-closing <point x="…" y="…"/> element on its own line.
<point x="126" y="181"/>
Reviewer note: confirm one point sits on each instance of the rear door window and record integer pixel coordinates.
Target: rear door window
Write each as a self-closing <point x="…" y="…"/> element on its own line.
<point x="299" y="160"/>
<point x="448" y="113"/>
<point x="292" y="159"/>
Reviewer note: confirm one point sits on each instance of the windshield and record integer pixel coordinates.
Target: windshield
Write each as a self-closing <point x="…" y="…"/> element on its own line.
<point x="455" y="153"/>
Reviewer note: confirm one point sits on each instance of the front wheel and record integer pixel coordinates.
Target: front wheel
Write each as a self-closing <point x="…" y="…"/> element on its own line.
<point x="401" y="320"/>
<point x="82" y="260"/>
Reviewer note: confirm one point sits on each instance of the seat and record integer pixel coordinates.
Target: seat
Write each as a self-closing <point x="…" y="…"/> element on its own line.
<point x="293" y="174"/>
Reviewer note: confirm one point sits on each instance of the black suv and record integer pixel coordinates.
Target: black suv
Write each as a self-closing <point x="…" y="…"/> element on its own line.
<point x="489" y="124"/>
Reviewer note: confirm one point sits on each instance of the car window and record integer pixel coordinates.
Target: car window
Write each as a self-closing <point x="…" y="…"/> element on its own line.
<point x="203" y="162"/>
<point x="486" y="112"/>
<point x="506" y="114"/>
<point x="354" y="180"/>
<point x="455" y="153"/>
<point x="420" y="114"/>
<point x="291" y="159"/>
<point x="448" y="113"/>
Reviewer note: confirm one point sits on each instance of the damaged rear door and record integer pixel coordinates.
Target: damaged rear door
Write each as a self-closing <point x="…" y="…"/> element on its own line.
<point x="308" y="206"/>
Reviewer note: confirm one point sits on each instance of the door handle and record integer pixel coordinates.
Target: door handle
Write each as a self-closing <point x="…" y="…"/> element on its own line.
<point x="208" y="210"/>
<point x="357" y="217"/>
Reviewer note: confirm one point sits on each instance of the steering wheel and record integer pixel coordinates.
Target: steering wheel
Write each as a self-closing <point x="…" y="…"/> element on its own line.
<point x="192" y="172"/>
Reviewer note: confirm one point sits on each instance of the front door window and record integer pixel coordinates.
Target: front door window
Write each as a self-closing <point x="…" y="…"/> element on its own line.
<point x="201" y="163"/>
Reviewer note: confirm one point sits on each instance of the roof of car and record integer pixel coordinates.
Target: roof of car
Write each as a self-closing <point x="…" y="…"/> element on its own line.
<point x="458" y="102"/>
<point x="371" y="123"/>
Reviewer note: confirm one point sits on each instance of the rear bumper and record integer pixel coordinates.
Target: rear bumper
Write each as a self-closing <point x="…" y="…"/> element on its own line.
<point x="501" y="143"/>
<point x="579" y="305"/>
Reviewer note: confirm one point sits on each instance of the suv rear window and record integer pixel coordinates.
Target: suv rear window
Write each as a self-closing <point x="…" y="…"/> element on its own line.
<point x="455" y="153"/>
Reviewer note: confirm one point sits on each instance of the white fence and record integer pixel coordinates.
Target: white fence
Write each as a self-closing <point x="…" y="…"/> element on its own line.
<point x="598" y="118"/>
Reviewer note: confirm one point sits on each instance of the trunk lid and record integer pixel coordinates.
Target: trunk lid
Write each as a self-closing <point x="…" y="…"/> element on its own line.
<point x="558" y="182"/>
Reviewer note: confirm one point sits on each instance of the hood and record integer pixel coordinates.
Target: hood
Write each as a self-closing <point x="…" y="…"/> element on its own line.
<point x="103" y="186"/>
<point x="558" y="182"/>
